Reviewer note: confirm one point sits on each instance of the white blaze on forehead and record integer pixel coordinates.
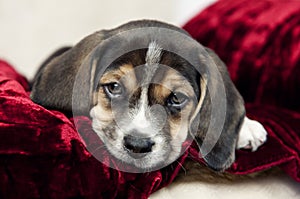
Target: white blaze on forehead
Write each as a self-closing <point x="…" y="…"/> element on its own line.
<point x="153" y="57"/>
<point x="154" y="53"/>
<point x="140" y="120"/>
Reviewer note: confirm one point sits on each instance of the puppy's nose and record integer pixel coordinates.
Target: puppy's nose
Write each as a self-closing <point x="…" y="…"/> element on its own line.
<point x="137" y="144"/>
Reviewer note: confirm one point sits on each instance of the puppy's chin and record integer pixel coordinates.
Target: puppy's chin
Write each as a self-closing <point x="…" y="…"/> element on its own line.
<point x="148" y="162"/>
<point x="143" y="162"/>
<point x="160" y="157"/>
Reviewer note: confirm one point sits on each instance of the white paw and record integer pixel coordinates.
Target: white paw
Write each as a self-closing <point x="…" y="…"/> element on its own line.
<point x="252" y="135"/>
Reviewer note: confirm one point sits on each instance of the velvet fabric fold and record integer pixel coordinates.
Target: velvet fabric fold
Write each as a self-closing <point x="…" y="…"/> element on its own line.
<point x="259" y="41"/>
<point x="43" y="156"/>
<point x="260" y="44"/>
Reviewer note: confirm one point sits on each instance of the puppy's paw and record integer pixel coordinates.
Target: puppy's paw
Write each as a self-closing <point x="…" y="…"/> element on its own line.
<point x="252" y="135"/>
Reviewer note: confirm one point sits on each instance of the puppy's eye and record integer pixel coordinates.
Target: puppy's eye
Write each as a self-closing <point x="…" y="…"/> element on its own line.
<point x="177" y="100"/>
<point x="113" y="89"/>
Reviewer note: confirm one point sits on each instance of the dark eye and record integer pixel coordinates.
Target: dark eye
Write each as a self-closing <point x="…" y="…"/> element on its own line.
<point x="177" y="100"/>
<point x="113" y="89"/>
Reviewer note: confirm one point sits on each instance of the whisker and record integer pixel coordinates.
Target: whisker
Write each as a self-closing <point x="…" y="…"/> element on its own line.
<point x="184" y="169"/>
<point x="98" y="148"/>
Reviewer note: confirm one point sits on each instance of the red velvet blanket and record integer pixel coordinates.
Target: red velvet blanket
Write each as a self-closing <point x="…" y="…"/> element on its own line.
<point x="260" y="43"/>
<point x="43" y="156"/>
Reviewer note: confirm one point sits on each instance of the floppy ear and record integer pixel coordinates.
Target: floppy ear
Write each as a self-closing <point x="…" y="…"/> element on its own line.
<point x="222" y="153"/>
<point x="54" y="82"/>
<point x="56" y="53"/>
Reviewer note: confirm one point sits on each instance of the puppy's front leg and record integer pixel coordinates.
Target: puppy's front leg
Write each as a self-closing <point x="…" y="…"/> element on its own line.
<point x="252" y="135"/>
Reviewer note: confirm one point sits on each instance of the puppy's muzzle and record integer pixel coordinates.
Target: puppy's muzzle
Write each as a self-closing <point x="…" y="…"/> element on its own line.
<point x="138" y="147"/>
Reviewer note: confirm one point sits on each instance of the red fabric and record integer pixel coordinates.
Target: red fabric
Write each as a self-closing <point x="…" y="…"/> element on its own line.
<point x="260" y="43"/>
<point x="42" y="155"/>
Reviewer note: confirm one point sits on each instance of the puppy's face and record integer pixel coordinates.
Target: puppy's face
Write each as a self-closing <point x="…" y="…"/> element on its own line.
<point x="143" y="106"/>
<point x="147" y="100"/>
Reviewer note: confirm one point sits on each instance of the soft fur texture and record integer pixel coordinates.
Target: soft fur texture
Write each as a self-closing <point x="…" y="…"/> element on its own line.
<point x="76" y="80"/>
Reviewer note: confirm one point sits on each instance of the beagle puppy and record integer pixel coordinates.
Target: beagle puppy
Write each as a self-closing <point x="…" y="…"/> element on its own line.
<point x="148" y="88"/>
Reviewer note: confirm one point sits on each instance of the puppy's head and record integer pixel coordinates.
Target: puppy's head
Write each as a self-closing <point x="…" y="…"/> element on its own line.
<point x="143" y="105"/>
<point x="147" y="86"/>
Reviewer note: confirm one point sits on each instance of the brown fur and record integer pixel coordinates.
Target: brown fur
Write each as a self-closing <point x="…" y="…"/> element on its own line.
<point x="196" y="172"/>
<point x="79" y="68"/>
<point x="158" y="92"/>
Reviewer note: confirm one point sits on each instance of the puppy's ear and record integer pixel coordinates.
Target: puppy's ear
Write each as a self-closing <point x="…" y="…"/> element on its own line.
<point x="218" y="123"/>
<point x="57" y="53"/>
<point x="53" y="84"/>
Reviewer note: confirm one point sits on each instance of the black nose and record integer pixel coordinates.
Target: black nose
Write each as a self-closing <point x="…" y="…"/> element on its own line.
<point x="138" y="144"/>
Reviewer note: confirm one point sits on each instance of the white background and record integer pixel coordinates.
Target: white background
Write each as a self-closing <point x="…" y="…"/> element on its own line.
<point x="33" y="29"/>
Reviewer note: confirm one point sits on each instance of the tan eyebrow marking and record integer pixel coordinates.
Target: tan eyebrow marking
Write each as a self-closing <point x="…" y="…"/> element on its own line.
<point x="116" y="75"/>
<point x="175" y="82"/>
<point x="161" y="93"/>
<point x="125" y="73"/>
